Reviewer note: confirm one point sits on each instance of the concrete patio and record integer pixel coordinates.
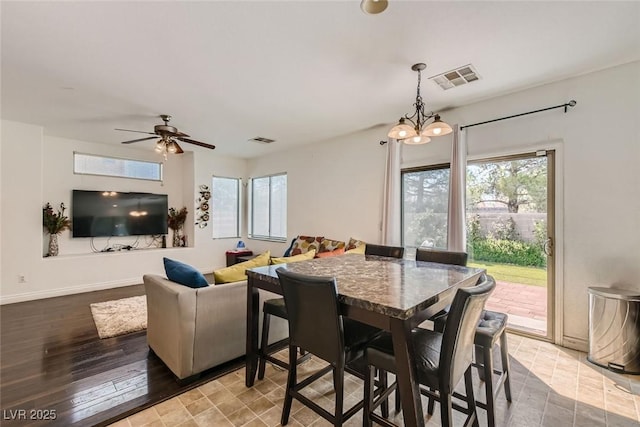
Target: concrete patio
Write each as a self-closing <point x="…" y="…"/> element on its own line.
<point x="526" y="305"/>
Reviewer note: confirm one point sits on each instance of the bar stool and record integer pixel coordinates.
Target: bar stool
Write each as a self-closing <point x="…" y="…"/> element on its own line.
<point x="490" y="329"/>
<point x="442" y="358"/>
<point x="381" y="250"/>
<point x="274" y="307"/>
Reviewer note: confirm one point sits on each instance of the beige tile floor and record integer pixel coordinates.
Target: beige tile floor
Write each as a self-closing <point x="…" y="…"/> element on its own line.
<point x="551" y="386"/>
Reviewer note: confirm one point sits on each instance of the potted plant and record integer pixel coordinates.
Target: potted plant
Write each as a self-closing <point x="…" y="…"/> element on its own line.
<point x="54" y="223"/>
<point x="175" y="221"/>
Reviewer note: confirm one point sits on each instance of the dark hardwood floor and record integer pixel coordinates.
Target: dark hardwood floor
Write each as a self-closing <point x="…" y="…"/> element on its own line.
<point x="53" y="365"/>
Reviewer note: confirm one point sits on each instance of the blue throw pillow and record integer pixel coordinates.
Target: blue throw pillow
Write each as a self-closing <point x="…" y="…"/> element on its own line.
<point x="184" y="274"/>
<point x="288" y="251"/>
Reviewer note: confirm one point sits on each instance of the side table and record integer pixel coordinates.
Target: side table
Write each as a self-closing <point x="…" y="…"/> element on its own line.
<point x="232" y="256"/>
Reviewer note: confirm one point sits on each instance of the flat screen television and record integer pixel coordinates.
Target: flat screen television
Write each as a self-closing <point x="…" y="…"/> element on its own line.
<point x="113" y="213"/>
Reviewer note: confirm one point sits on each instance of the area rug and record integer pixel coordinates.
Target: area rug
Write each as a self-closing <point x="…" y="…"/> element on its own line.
<point x="119" y="317"/>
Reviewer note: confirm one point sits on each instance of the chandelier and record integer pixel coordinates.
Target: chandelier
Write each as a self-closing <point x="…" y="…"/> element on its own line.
<point x="419" y="133"/>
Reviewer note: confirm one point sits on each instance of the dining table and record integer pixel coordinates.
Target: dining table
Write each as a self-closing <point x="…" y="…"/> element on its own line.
<point x="393" y="294"/>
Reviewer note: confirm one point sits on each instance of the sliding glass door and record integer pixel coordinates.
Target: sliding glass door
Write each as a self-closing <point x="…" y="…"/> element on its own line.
<point x="509" y="229"/>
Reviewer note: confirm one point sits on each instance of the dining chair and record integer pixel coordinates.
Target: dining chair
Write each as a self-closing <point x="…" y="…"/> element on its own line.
<point x="442" y="358"/>
<point x="273" y="307"/>
<point x="315" y="324"/>
<point x="490" y="329"/>
<point x="381" y="250"/>
<point x="441" y="256"/>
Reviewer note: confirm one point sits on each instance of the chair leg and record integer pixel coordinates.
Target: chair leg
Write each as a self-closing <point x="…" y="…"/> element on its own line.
<point x="383" y="377"/>
<point x="479" y="361"/>
<point x="471" y="400"/>
<point x="398" y="401"/>
<point x="338" y="382"/>
<point x="506" y="368"/>
<point x="264" y="345"/>
<point x="487" y="367"/>
<point x="368" y="395"/>
<point x="291" y="383"/>
<point x="446" y="410"/>
<point x="430" y="405"/>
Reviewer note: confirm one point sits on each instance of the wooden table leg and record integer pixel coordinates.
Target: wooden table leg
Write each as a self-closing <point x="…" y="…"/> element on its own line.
<point x="252" y="332"/>
<point x="406" y="375"/>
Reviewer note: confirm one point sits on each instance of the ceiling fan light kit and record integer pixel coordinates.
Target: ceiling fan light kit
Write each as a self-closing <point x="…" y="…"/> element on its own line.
<point x="420" y="132"/>
<point x="167" y="143"/>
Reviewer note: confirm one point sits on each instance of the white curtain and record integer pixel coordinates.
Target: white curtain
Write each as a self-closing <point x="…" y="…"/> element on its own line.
<point x="456" y="227"/>
<point x="391" y="199"/>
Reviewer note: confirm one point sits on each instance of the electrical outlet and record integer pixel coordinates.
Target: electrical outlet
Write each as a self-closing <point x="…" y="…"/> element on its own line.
<point x="22" y="278"/>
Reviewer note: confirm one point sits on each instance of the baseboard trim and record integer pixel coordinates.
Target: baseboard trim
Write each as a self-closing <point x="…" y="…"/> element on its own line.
<point x="59" y="292"/>
<point x="575" y="343"/>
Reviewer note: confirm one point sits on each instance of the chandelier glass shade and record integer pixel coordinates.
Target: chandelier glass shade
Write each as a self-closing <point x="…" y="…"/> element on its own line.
<point x="373" y="6"/>
<point x="420" y="132"/>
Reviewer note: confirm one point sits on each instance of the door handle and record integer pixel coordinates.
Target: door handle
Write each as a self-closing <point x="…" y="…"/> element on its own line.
<point x="548" y="247"/>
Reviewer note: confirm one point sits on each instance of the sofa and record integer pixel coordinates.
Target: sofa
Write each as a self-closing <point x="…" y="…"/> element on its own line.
<point x="194" y="329"/>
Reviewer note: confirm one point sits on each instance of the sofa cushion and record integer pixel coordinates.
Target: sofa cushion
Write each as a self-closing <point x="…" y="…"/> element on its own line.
<point x="354" y="243"/>
<point x="304" y="244"/>
<point x="295" y="258"/>
<point x="184" y="274"/>
<point x="328" y="245"/>
<point x="330" y="253"/>
<point x="237" y="272"/>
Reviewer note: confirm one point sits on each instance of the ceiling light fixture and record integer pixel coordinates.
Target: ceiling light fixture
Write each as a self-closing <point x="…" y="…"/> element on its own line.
<point x="419" y="133"/>
<point x="167" y="145"/>
<point x="373" y="6"/>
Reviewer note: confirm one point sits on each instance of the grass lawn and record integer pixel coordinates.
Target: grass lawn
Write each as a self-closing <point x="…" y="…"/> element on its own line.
<point x="534" y="276"/>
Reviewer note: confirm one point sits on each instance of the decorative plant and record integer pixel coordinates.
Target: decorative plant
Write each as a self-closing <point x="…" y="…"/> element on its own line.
<point x="55" y="222"/>
<point x="176" y="218"/>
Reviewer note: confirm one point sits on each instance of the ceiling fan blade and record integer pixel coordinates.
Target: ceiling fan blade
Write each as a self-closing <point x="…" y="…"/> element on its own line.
<point x="139" y="131"/>
<point x="201" y="144"/>
<point x="138" y="140"/>
<point x="179" y="149"/>
<point x="181" y="134"/>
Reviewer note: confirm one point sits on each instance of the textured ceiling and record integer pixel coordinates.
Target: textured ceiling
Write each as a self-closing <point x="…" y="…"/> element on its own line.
<point x="298" y="72"/>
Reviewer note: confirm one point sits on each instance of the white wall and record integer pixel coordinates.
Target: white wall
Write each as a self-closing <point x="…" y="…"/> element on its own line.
<point x="335" y="188"/>
<point x="37" y="169"/>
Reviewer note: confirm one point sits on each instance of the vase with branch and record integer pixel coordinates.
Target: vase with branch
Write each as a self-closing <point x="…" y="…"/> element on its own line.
<point x="175" y="221"/>
<point x="54" y="223"/>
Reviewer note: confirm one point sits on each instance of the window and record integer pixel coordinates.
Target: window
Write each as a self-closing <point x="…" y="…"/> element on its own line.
<point x="425" y="203"/>
<point x="225" y="203"/>
<point x="87" y="164"/>
<point x="268" y="210"/>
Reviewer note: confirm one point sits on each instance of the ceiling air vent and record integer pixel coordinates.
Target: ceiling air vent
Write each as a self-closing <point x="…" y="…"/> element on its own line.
<point x="262" y="140"/>
<point x="458" y="77"/>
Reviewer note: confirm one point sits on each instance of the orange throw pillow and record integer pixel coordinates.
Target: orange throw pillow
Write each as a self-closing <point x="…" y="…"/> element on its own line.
<point x="330" y="253"/>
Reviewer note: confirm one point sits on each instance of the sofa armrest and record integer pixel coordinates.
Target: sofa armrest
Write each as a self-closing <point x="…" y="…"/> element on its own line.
<point x="171" y="320"/>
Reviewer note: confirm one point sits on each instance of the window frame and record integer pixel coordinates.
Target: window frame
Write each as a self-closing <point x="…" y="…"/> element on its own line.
<point x="159" y="164"/>
<point x="238" y="207"/>
<point x="425" y="168"/>
<point x="250" y="233"/>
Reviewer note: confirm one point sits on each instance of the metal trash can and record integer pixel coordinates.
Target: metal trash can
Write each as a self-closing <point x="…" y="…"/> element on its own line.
<point x="614" y="329"/>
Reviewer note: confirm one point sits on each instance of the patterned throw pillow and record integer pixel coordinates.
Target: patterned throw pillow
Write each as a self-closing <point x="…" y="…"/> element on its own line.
<point x="304" y="244"/>
<point x="328" y="245"/>
<point x="353" y="243"/>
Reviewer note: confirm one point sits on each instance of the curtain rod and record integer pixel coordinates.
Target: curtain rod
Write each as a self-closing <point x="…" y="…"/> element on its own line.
<point x="571" y="103"/>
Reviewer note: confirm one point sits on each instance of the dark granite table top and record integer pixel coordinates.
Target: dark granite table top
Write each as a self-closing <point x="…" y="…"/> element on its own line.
<point x="393" y="287"/>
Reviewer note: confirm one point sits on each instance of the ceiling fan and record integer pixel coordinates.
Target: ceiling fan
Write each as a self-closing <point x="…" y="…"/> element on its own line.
<point x="168" y="135"/>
